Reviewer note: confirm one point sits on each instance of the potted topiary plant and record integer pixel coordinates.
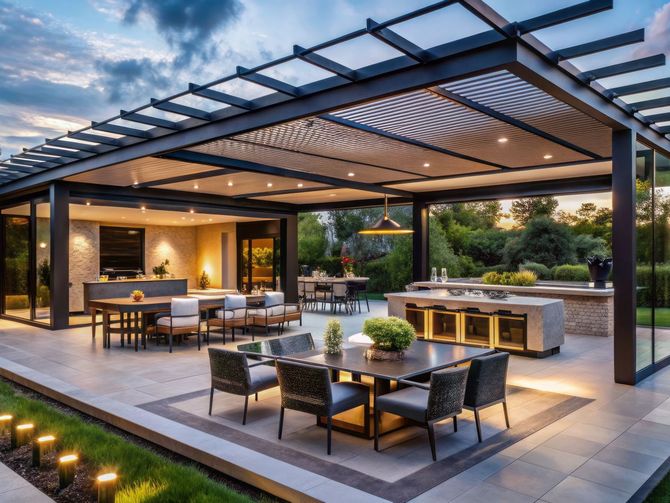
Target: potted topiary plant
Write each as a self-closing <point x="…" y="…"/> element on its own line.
<point x="599" y="269"/>
<point x="390" y="336"/>
<point x="332" y="337"/>
<point x="161" y="271"/>
<point x="204" y="280"/>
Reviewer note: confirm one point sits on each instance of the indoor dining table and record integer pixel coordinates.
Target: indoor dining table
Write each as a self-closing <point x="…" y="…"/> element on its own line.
<point x="132" y="313"/>
<point x="420" y="360"/>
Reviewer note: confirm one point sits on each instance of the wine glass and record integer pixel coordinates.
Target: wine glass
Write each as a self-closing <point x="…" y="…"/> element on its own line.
<point x="444" y="275"/>
<point x="433" y="274"/>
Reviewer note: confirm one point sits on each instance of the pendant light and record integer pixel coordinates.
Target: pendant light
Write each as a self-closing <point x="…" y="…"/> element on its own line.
<point x="385" y="225"/>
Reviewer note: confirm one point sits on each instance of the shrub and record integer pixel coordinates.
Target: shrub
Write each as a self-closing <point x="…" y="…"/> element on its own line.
<point x="540" y="270"/>
<point x="520" y="278"/>
<point x="587" y="245"/>
<point x="543" y="241"/>
<point x="332" y="337"/>
<point x="569" y="272"/>
<point x="389" y="334"/>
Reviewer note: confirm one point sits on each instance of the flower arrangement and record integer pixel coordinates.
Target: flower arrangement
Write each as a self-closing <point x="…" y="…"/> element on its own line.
<point x="137" y="295"/>
<point x="348" y="265"/>
<point x="390" y="337"/>
<point x="332" y="337"/>
<point x="161" y="270"/>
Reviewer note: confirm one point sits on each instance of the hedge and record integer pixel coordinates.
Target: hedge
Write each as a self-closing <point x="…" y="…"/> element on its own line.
<point x="569" y="272"/>
<point x="540" y="270"/>
<point x="644" y="284"/>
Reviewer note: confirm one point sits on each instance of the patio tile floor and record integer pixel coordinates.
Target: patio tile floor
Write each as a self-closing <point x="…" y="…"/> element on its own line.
<point x="601" y="452"/>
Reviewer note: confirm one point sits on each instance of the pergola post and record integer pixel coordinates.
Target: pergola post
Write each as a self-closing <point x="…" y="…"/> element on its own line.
<point x="420" y="241"/>
<point x="59" y="199"/>
<point x="624" y="252"/>
<point x="289" y="257"/>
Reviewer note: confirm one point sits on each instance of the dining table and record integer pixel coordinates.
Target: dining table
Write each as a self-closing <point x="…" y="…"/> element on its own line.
<point x="133" y="313"/>
<point x="420" y="359"/>
<point x="332" y="279"/>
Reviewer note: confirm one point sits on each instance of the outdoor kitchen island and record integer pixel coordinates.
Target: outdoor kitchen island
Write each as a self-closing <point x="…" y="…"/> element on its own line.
<point x="531" y="326"/>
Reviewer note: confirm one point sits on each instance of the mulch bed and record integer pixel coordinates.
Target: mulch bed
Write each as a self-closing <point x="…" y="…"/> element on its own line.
<point x="85" y="477"/>
<point x="45" y="477"/>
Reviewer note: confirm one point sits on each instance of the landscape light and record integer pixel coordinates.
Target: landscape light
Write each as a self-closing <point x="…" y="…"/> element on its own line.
<point x="42" y="446"/>
<point x="107" y="487"/>
<point x="23" y="434"/>
<point x="5" y="423"/>
<point x="67" y="466"/>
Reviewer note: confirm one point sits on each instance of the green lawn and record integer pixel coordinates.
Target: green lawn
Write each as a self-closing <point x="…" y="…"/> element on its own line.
<point x="662" y="316"/>
<point x="143" y="475"/>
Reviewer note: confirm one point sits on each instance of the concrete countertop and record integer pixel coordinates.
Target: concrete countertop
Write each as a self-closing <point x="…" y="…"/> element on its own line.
<point x="132" y="280"/>
<point x="445" y="296"/>
<point x="539" y="288"/>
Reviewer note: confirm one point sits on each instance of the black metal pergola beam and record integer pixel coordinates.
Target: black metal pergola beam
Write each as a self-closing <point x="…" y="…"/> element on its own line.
<point x="604" y="44"/>
<point x="653" y="103"/>
<point x="662" y="117"/>
<point x="641" y="87"/>
<point x="664" y="129"/>
<point x="184" y="110"/>
<point x="74" y="154"/>
<point x="121" y="130"/>
<point x="34" y="157"/>
<point x="98" y="138"/>
<point x="84" y="147"/>
<point x="324" y="63"/>
<point x="269" y="82"/>
<point x="186" y="178"/>
<point x="254" y="167"/>
<point x="403" y="139"/>
<point x="221" y="97"/>
<point x="33" y="163"/>
<point x="399" y="43"/>
<point x="621" y="68"/>
<point x="21" y="168"/>
<point x="478" y="107"/>
<point x="267" y="193"/>
<point x="563" y="15"/>
<point x="149" y="120"/>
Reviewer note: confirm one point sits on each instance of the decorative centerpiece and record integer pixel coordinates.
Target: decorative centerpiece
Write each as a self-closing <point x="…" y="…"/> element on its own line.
<point x="348" y="266"/>
<point x="161" y="270"/>
<point x="599" y="270"/>
<point x="390" y="336"/>
<point x="332" y="337"/>
<point x="204" y="280"/>
<point x="137" y="295"/>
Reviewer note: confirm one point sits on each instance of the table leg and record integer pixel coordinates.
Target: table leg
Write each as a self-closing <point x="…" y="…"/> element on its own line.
<point x="105" y="329"/>
<point x="94" y="312"/>
<point x="136" y="329"/>
<point x="144" y="331"/>
<point x="123" y="329"/>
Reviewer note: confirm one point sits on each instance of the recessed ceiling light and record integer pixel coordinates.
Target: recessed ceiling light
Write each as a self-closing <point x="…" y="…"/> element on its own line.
<point x="183" y="218"/>
<point x="547" y="156"/>
<point x="269" y="184"/>
<point x="196" y="186"/>
<point x="209" y="219"/>
<point x="300" y="185"/>
<point x="135" y="183"/>
<point x="351" y="173"/>
<point x="143" y="208"/>
<point x="502" y="140"/>
<point x="123" y="218"/>
<point x="193" y="220"/>
<point x="88" y="203"/>
<point x="332" y="195"/>
<point x="191" y="211"/>
<point x="426" y="165"/>
<point x="230" y="184"/>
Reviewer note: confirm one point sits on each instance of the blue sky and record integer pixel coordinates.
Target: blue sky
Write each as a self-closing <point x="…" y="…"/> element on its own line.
<point x="65" y="63"/>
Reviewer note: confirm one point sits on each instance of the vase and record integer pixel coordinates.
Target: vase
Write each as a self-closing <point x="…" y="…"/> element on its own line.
<point x="382" y="354"/>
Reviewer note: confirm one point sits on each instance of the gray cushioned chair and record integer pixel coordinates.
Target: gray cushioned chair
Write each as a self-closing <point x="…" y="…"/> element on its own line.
<point x="425" y="404"/>
<point x="487" y="384"/>
<point x="233" y="373"/>
<point x="307" y="388"/>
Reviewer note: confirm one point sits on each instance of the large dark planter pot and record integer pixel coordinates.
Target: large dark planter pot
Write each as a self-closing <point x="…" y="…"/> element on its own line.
<point x="599" y="270"/>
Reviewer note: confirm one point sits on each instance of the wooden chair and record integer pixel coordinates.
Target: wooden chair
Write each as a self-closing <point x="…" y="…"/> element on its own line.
<point x="273" y="313"/>
<point x="232" y="315"/>
<point x="183" y="319"/>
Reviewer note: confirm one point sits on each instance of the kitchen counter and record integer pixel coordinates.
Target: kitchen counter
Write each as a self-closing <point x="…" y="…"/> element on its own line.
<point x="545" y="317"/>
<point x="96" y="290"/>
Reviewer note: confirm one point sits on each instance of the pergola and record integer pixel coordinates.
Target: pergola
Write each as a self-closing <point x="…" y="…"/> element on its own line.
<point x="494" y="113"/>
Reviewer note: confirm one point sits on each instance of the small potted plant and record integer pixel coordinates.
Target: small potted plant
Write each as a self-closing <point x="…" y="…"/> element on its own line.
<point x="390" y="337"/>
<point x="204" y="281"/>
<point x="137" y="295"/>
<point x="161" y="271"/>
<point x="332" y="337"/>
<point x="599" y="269"/>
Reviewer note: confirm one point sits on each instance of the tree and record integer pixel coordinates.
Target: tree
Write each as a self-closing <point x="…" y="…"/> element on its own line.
<point x="525" y="209"/>
<point x="475" y="215"/>
<point x="486" y="245"/>
<point x="312" y="239"/>
<point x="587" y="211"/>
<point x="543" y="241"/>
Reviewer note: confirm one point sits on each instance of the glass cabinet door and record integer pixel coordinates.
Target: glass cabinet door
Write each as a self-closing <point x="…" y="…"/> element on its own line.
<point x="477" y="328"/>
<point x="445" y="325"/>
<point x="416" y="316"/>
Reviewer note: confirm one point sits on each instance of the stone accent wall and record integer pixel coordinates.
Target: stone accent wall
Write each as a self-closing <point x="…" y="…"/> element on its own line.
<point x="178" y="244"/>
<point x="84" y="259"/>
<point x="586" y="315"/>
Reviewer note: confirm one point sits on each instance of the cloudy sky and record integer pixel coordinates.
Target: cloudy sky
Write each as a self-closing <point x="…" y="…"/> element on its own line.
<point x="65" y="63"/>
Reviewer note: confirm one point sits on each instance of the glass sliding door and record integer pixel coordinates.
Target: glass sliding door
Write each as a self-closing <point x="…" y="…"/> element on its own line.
<point x="644" y="232"/>
<point x="259" y="262"/>
<point x="661" y="257"/>
<point x="42" y="247"/>
<point x="16" y="232"/>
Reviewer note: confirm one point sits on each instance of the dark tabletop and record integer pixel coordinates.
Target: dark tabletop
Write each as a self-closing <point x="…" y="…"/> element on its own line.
<point x="422" y="357"/>
<point x="156" y="304"/>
